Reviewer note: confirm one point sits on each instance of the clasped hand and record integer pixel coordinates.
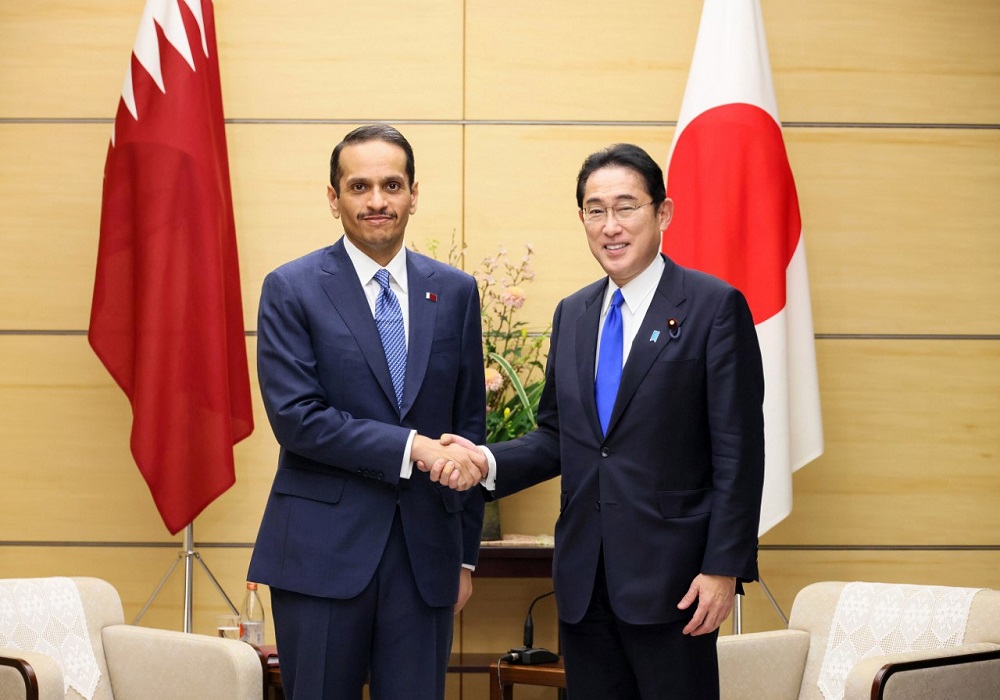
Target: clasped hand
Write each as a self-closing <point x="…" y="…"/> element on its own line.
<point x="452" y="461"/>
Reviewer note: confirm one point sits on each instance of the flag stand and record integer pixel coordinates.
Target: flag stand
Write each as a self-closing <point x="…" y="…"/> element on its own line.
<point x="190" y="555"/>
<point x="738" y="608"/>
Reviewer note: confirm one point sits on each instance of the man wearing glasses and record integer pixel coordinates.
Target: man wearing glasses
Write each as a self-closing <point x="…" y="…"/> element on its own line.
<point x="652" y="415"/>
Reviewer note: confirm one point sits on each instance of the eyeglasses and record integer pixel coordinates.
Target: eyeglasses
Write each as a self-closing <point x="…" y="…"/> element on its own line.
<point x="598" y="215"/>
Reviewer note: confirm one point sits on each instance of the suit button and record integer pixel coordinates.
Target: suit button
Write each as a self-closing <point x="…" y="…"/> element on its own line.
<point x="598" y="505"/>
<point x="605" y="452"/>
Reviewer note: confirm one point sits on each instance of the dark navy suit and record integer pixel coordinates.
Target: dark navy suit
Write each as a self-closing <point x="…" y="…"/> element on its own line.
<point x="674" y="488"/>
<point x="337" y="494"/>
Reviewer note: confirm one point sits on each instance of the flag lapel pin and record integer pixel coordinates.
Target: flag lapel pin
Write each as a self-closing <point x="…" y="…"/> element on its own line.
<point x="431" y="296"/>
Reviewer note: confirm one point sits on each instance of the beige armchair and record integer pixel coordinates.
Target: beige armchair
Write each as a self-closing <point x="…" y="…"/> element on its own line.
<point x="137" y="663"/>
<point x="785" y="664"/>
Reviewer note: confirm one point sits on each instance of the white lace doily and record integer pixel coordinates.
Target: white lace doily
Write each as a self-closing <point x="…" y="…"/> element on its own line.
<point x="46" y="615"/>
<point x="873" y="619"/>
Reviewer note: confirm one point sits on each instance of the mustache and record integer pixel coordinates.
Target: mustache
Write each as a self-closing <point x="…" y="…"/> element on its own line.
<point x="371" y="214"/>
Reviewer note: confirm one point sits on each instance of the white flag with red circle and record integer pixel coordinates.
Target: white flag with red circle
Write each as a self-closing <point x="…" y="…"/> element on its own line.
<point x="736" y="216"/>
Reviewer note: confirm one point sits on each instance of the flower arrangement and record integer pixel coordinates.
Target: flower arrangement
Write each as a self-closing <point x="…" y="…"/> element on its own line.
<point x="513" y="357"/>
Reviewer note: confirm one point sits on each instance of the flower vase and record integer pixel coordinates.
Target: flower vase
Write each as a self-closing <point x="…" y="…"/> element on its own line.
<point x="491" y="522"/>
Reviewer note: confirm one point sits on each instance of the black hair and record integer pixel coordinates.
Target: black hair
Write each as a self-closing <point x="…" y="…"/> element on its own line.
<point x="624" y="155"/>
<point x="363" y="134"/>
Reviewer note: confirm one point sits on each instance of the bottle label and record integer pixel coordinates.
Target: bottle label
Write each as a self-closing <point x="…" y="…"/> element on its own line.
<point x="252" y="632"/>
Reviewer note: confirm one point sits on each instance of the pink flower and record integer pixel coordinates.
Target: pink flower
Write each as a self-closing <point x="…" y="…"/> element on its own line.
<point x="512" y="297"/>
<point x="494" y="380"/>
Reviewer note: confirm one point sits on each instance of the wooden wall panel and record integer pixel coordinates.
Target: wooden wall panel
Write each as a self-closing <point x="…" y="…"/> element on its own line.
<point x="70" y="476"/>
<point x="317" y="60"/>
<point x="321" y="60"/>
<point x="577" y="60"/>
<point x="50" y="213"/>
<point x="65" y="59"/>
<point x="900" y="228"/>
<point x="912" y="430"/>
<point x="891" y="61"/>
<point x="493" y="619"/>
<point x="64" y="429"/>
<point x="476" y="687"/>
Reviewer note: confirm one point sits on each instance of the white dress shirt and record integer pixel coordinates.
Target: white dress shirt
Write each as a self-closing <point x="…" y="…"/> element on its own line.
<point x="366" y="268"/>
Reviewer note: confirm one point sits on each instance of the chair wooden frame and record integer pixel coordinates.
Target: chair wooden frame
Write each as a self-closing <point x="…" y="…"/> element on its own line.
<point x="27" y="672"/>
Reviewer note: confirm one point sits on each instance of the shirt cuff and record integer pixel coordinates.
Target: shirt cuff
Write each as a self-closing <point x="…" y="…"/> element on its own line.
<point x="490" y="482"/>
<point x="407" y="467"/>
<point x="470" y="567"/>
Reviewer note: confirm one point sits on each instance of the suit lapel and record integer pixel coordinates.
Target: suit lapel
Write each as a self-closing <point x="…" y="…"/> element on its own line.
<point x="344" y="290"/>
<point x="423" y="315"/>
<point x="653" y="337"/>
<point x="586" y="353"/>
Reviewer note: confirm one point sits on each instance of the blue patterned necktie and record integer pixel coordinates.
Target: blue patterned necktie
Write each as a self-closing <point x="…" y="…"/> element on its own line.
<point x="389" y="320"/>
<point x="609" y="362"/>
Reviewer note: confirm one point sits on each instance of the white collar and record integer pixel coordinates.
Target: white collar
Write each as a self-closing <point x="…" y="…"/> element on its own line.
<point x="366" y="267"/>
<point x="639" y="287"/>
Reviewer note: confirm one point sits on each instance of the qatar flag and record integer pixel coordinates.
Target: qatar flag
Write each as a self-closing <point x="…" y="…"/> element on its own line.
<point x="167" y="318"/>
<point x="736" y="216"/>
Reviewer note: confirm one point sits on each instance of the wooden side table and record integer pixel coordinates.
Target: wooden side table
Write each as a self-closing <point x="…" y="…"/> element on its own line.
<point x="503" y="676"/>
<point x="527" y="561"/>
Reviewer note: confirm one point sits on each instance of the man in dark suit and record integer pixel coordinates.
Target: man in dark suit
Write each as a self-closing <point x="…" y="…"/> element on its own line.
<point x="652" y="414"/>
<point x="365" y="349"/>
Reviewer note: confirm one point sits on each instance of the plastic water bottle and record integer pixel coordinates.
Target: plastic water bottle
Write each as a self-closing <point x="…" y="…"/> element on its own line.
<point x="252" y="616"/>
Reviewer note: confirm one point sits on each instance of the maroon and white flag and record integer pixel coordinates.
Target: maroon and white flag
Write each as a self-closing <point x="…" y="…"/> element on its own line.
<point x="167" y="318"/>
<point x="736" y="216"/>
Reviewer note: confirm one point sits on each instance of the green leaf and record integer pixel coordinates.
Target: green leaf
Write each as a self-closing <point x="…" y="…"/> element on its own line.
<point x="516" y="383"/>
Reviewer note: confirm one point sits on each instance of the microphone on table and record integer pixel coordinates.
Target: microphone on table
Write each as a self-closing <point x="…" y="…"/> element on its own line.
<point x="528" y="654"/>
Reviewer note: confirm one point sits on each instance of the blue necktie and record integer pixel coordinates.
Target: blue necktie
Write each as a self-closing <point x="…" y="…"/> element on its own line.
<point x="609" y="362"/>
<point x="389" y="320"/>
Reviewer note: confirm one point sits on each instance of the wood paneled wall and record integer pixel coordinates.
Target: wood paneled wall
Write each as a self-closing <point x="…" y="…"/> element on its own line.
<point x="892" y="122"/>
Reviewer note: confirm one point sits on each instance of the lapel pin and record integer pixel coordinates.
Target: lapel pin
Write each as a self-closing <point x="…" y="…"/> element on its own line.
<point x="653" y="338"/>
<point x="673" y="328"/>
<point x="431" y="296"/>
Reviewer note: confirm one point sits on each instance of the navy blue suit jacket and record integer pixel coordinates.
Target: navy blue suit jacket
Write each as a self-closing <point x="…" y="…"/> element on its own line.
<point x="329" y="398"/>
<point x="674" y="488"/>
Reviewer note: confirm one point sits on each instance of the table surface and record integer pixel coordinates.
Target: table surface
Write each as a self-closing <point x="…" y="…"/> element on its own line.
<point x="503" y="676"/>
<point x="503" y="561"/>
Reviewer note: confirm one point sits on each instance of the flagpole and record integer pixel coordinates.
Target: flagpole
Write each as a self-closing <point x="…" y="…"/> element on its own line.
<point x="738" y="608"/>
<point x="190" y="556"/>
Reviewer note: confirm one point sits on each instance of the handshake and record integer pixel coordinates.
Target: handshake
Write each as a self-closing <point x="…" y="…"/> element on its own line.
<point x="451" y="460"/>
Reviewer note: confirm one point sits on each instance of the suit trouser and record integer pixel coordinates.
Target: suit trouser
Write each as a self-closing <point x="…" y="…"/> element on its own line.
<point x="607" y="659"/>
<point x="328" y="647"/>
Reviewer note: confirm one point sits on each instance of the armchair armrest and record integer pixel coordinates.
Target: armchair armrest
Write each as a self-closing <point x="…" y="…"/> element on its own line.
<point x="969" y="671"/>
<point x="153" y="664"/>
<point x="762" y="664"/>
<point x="30" y="675"/>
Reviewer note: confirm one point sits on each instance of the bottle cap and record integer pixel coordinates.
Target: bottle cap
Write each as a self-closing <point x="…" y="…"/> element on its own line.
<point x="251" y="586"/>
